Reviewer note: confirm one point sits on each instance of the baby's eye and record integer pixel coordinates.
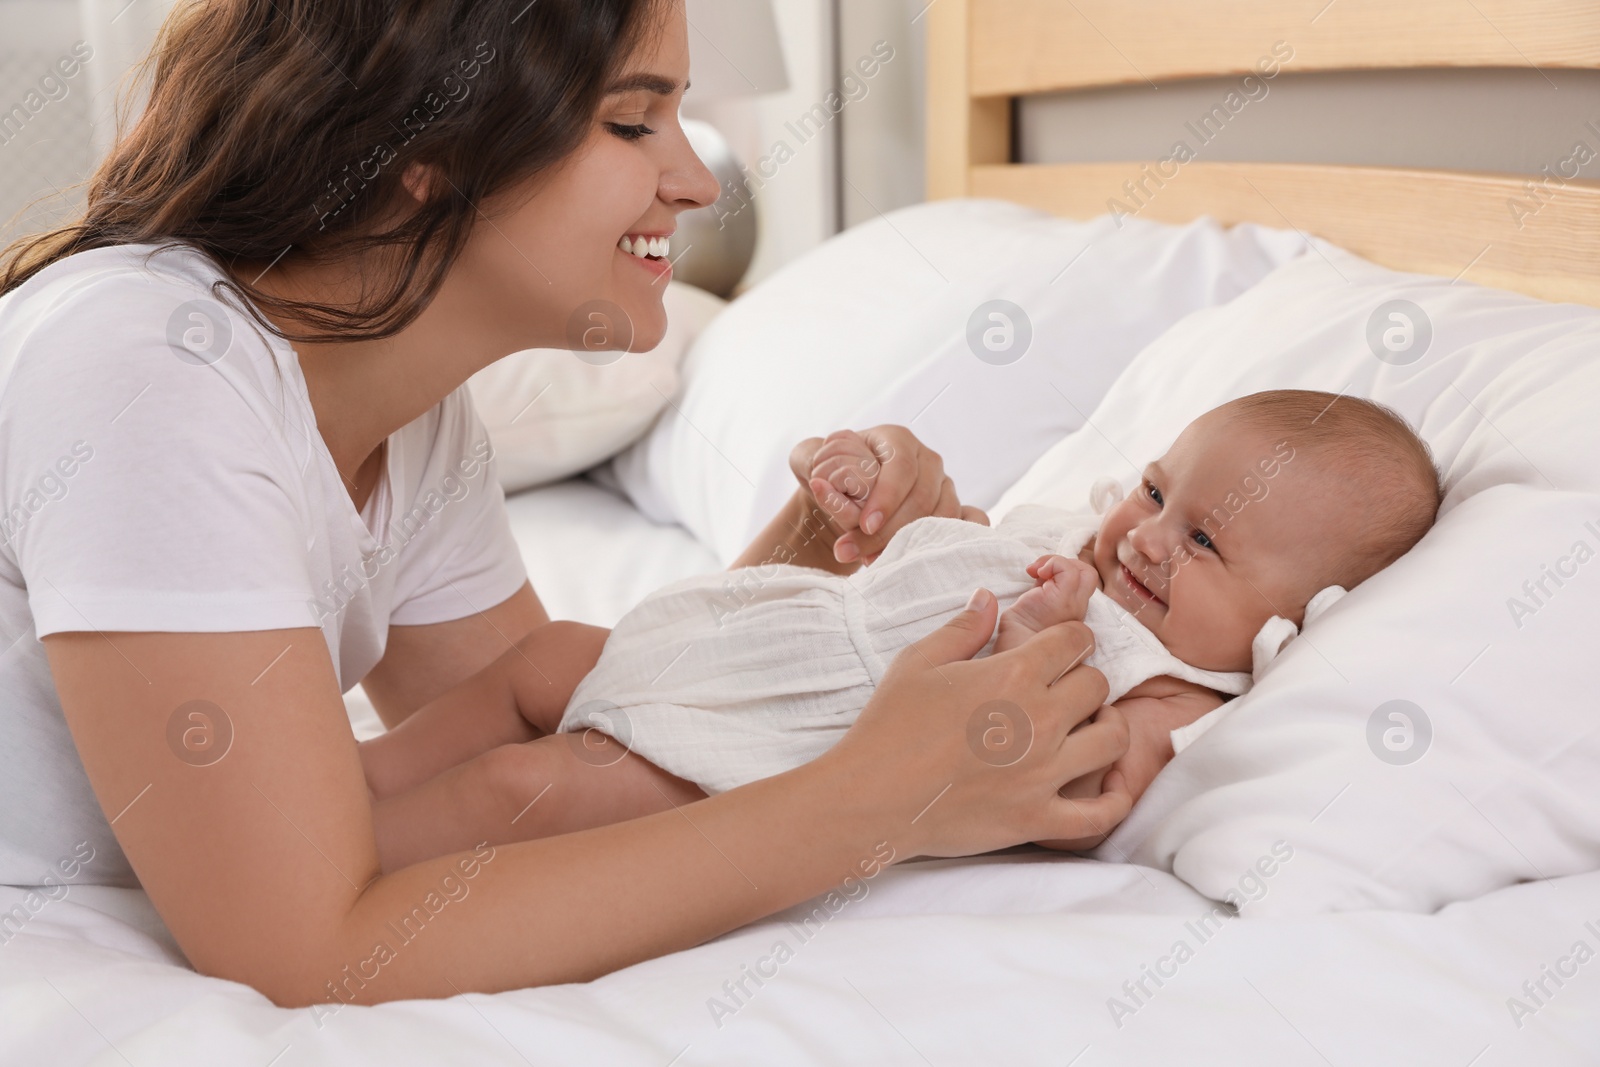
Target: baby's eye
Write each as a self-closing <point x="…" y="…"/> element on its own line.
<point x="1155" y="494"/>
<point x="1202" y="540"/>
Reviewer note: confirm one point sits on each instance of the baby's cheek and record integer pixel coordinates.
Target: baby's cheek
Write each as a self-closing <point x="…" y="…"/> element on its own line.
<point x="1226" y="637"/>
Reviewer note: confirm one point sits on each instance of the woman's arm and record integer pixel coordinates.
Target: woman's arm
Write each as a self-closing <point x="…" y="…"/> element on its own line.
<point x="802" y="534"/>
<point x="264" y="865"/>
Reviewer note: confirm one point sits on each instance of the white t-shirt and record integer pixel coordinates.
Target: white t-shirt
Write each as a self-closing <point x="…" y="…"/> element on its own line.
<point x="161" y="470"/>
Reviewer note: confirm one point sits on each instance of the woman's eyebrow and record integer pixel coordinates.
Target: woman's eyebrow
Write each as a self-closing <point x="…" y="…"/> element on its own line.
<point x="651" y="83"/>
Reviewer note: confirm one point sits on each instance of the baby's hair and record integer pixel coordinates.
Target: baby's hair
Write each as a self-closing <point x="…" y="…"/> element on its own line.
<point x="1390" y="480"/>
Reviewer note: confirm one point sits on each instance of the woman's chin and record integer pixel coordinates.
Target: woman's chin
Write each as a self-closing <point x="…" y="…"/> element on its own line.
<point x="649" y="329"/>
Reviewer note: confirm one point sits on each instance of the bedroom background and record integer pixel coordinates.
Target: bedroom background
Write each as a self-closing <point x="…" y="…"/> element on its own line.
<point x="816" y="179"/>
<point x="972" y="960"/>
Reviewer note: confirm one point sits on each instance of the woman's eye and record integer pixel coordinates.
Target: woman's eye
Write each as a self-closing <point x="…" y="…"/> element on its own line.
<point x="1202" y="540"/>
<point x="629" y="133"/>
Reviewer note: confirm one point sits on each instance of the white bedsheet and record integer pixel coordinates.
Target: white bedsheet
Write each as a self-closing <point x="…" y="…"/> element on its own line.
<point x="591" y="555"/>
<point x="1006" y="959"/>
<point x="1010" y="959"/>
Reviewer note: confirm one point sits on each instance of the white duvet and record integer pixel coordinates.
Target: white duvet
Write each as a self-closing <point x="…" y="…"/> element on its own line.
<point x="1013" y="959"/>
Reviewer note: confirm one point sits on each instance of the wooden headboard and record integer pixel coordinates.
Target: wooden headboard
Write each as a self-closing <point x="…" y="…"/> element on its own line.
<point x="1495" y="229"/>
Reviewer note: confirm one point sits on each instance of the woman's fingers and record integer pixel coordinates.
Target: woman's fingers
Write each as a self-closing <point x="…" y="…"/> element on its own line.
<point x="1055" y="651"/>
<point x="977" y="515"/>
<point x="964" y="635"/>
<point x="1093" y="747"/>
<point x="903" y="494"/>
<point x="909" y="483"/>
<point x="944" y="506"/>
<point x="927" y="731"/>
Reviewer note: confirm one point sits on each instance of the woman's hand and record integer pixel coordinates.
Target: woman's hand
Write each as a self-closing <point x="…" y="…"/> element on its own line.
<point x="971" y="754"/>
<point x="872" y="484"/>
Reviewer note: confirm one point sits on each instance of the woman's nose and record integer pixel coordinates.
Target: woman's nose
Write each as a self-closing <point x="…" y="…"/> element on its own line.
<point x="688" y="183"/>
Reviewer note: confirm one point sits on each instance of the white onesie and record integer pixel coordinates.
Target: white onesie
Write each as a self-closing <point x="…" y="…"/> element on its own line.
<point x="725" y="679"/>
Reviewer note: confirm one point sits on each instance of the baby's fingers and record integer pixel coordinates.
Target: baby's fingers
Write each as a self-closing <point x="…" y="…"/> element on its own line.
<point x="846" y="513"/>
<point x="853" y="478"/>
<point x="1076" y="819"/>
<point x="1045" y="566"/>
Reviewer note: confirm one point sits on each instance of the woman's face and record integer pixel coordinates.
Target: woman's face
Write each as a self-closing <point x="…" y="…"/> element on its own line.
<point x="548" y="268"/>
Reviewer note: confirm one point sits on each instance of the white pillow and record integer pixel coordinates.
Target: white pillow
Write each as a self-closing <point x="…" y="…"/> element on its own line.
<point x="873" y="327"/>
<point x="551" y="414"/>
<point x="1498" y="779"/>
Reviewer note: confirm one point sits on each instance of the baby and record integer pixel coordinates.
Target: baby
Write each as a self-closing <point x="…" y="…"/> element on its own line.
<point x="1259" y="505"/>
<point x="1261" y="512"/>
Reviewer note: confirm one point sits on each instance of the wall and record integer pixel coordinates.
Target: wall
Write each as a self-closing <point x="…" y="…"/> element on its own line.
<point x="795" y="171"/>
<point x="883" y="132"/>
<point x="868" y="159"/>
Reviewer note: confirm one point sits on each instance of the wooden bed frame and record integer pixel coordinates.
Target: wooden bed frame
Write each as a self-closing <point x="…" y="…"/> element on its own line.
<point x="984" y="54"/>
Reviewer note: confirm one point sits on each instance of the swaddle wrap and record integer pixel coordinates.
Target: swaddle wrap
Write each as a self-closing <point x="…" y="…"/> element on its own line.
<point x="728" y="678"/>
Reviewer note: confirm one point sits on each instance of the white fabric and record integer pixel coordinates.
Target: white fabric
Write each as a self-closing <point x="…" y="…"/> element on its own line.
<point x="147" y="492"/>
<point x="1278" y="631"/>
<point x="1502" y="785"/>
<point x="872" y="327"/>
<point x="1012" y="959"/>
<point x="730" y="678"/>
<point x="552" y="414"/>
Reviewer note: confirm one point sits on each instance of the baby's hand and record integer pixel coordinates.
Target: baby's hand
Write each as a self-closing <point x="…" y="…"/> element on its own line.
<point x="843" y="472"/>
<point x="870" y="486"/>
<point x="1151" y="720"/>
<point x="1062" y="595"/>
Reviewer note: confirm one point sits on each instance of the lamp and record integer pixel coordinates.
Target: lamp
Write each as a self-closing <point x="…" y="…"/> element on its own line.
<point x="734" y="52"/>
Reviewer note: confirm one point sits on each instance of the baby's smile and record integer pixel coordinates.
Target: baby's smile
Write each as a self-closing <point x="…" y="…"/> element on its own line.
<point x="1230" y="528"/>
<point x="1145" y="595"/>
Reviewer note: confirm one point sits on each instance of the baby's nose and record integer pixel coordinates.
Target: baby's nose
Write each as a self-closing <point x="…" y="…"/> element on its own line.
<point x="1147" y="540"/>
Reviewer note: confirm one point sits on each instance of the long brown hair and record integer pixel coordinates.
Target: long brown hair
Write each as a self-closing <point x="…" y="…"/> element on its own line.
<point x="287" y="124"/>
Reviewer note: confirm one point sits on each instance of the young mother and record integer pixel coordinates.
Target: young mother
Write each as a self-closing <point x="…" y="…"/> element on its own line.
<point x="214" y="462"/>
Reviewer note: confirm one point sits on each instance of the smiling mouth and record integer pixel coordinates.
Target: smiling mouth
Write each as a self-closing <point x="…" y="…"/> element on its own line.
<point x="644" y="246"/>
<point x="1140" y="590"/>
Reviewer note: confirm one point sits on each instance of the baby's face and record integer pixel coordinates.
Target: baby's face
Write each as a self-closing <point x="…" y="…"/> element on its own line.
<point x="1224" y="532"/>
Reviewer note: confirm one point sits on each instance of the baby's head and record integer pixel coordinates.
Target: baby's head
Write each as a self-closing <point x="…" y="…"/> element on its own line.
<point x="1258" y="506"/>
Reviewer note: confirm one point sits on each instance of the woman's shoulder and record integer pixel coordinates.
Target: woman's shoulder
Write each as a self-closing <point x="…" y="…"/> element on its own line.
<point x="117" y="304"/>
<point x="90" y="327"/>
<point x="77" y="280"/>
<point x="129" y="349"/>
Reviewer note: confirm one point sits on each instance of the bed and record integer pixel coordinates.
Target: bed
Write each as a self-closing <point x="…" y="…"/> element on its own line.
<point x="1018" y="957"/>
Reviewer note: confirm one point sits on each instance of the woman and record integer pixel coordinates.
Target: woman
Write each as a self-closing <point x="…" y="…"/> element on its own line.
<point x="216" y="458"/>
